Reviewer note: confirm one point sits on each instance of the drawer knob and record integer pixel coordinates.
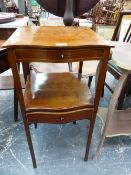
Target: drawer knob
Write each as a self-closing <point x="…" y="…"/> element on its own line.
<point x="62" y="118"/>
<point x="62" y="56"/>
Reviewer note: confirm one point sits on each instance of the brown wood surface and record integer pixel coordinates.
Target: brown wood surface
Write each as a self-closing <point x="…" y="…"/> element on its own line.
<point x="5" y="33"/>
<point x="58" y="55"/>
<point x="54" y="36"/>
<point x="63" y="94"/>
<point x="57" y="97"/>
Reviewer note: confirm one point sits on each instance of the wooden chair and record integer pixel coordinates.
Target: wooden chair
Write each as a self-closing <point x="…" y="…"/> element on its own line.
<point x="114" y="122"/>
<point x="112" y="68"/>
<point x="11" y="7"/>
<point x="111" y="12"/>
<point x="32" y="9"/>
<point x="58" y="97"/>
<point x="103" y="14"/>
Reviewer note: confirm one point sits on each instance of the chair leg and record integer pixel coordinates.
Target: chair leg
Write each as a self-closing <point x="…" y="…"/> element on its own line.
<point x="102" y="94"/>
<point x="15" y="106"/>
<point x="121" y="101"/>
<point x="129" y="87"/>
<point x="90" y="80"/>
<point x="16" y="101"/>
<point x="27" y="130"/>
<point x="122" y="95"/>
<point x="89" y="139"/>
<point x="70" y="67"/>
<point x="35" y="124"/>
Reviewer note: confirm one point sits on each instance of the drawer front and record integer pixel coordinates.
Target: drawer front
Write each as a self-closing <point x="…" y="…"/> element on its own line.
<point x="58" y="55"/>
<point x="57" y="118"/>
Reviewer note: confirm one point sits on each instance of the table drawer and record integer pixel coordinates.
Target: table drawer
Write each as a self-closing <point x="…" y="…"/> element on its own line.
<point x="57" y="118"/>
<point x="58" y="55"/>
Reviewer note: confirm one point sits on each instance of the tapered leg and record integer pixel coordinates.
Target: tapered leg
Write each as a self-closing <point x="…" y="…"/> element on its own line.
<point x="70" y="67"/>
<point x="90" y="80"/>
<point x="89" y="139"/>
<point x="122" y="94"/>
<point x="102" y="94"/>
<point x="15" y="106"/>
<point x="35" y="124"/>
<point x="30" y="145"/>
<point x="80" y="67"/>
<point x="121" y="101"/>
<point x="16" y="101"/>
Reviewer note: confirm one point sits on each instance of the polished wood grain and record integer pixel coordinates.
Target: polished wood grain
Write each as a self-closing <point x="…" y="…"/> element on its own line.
<point x="54" y="36"/>
<point x="58" y="55"/>
<point x="63" y="94"/>
<point x="59" y="101"/>
<point x="57" y="97"/>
